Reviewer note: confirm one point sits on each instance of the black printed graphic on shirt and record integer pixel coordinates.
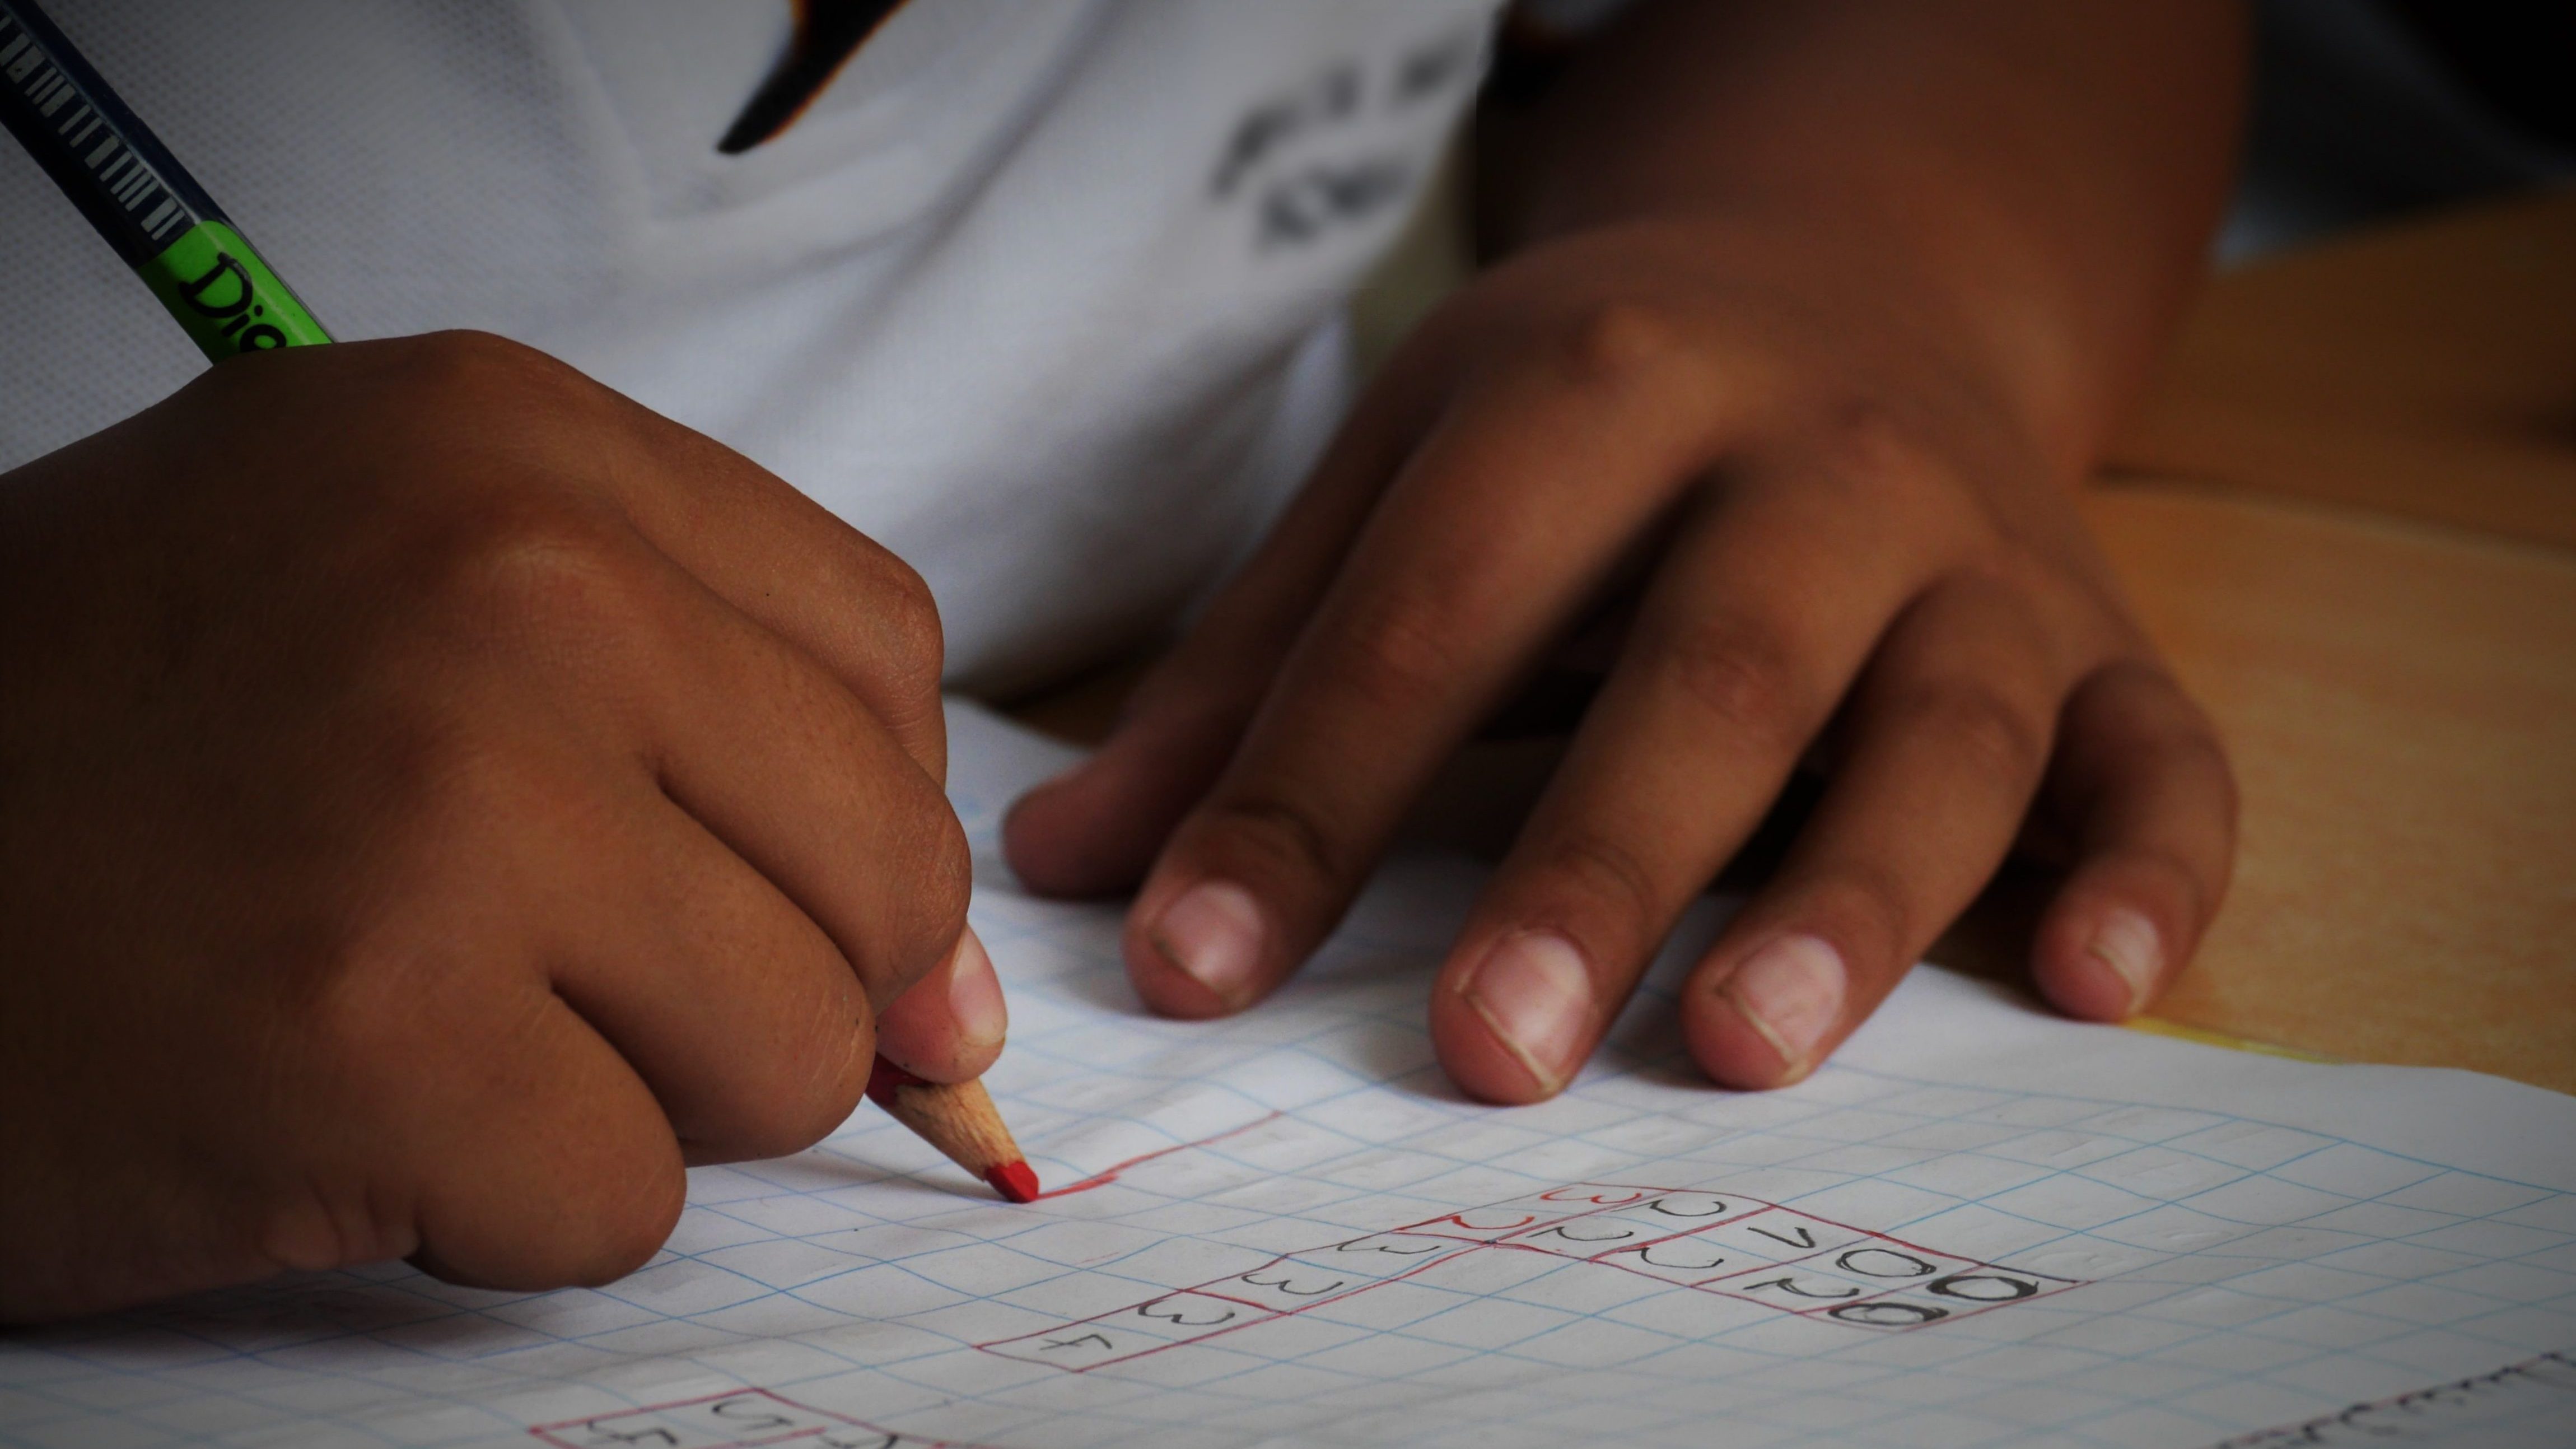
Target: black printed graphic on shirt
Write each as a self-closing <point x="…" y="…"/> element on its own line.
<point x="1345" y="145"/>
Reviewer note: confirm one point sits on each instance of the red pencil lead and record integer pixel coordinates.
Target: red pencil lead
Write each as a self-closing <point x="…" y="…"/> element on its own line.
<point x="1014" y="1180"/>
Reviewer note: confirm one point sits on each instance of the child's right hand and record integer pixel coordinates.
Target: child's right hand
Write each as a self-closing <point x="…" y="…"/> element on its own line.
<point x="438" y="800"/>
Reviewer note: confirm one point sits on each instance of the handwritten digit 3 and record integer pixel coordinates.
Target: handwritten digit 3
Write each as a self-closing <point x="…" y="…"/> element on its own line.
<point x="1283" y="1280"/>
<point x="1367" y="1245"/>
<point x="1461" y="1220"/>
<point x="1560" y="1194"/>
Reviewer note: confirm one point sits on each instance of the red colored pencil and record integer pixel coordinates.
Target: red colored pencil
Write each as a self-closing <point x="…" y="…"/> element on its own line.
<point x="959" y="1119"/>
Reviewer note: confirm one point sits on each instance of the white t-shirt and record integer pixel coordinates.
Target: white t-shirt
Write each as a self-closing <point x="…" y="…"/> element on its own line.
<point x="1039" y="293"/>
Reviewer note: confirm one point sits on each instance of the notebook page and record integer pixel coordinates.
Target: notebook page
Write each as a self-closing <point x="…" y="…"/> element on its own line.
<point x="1979" y="1225"/>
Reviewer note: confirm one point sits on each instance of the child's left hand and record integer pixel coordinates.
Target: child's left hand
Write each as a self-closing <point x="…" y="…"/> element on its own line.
<point x="1820" y="311"/>
<point x="1852" y="542"/>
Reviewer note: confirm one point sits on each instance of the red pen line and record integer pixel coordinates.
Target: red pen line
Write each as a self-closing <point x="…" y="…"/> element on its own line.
<point x="1105" y="1178"/>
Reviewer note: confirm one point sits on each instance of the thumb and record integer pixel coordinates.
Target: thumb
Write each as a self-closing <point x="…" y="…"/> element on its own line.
<point x="948" y="1026"/>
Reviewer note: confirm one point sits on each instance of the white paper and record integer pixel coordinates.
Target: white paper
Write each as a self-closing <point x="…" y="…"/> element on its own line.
<point x="1980" y="1225"/>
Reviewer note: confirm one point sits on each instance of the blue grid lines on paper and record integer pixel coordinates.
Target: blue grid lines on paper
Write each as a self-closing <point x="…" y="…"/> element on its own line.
<point x="1916" y="1152"/>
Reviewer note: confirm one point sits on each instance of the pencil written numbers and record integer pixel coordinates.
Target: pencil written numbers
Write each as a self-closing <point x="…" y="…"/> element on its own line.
<point x="1737" y="1250"/>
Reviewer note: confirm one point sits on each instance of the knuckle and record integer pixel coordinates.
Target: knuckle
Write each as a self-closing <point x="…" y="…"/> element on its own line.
<point x="1405" y="652"/>
<point x="802" y="1093"/>
<point x="612" y="1181"/>
<point x="1283" y="839"/>
<point x="514" y="564"/>
<point x="471" y="348"/>
<point x="1976" y="727"/>
<point x="2207" y="754"/>
<point x="915" y="640"/>
<point x="1742" y="675"/>
<point x="313" y="1230"/>
<point x="1870" y="908"/>
<point x="1869" y="447"/>
<point x="529" y="409"/>
<point x="936" y="868"/>
<point x="1608" y="872"/>
<point x="948" y="872"/>
<point x="2196" y="744"/>
<point x="1622" y="342"/>
<point x="482" y="368"/>
<point x="2203" y="785"/>
<point x="627" y="1220"/>
<point x="367" y="989"/>
<point x="2191" y="747"/>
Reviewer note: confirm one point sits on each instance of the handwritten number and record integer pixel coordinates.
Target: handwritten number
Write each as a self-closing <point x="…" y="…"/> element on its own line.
<point x="601" y="1434"/>
<point x="1461" y="1220"/>
<point x="1805" y="1239"/>
<point x="1647" y="1254"/>
<point x="1558" y="1194"/>
<point x="1790" y="1285"/>
<point x="747" y="1412"/>
<point x="1886" y="1314"/>
<point x="1861" y="1253"/>
<point x="1956" y="1286"/>
<point x="1564" y="1231"/>
<point x="1283" y="1280"/>
<point x="1180" y="1316"/>
<point x="1910" y="1266"/>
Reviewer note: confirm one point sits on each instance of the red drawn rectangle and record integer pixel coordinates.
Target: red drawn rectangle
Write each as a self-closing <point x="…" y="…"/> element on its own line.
<point x="731" y="1419"/>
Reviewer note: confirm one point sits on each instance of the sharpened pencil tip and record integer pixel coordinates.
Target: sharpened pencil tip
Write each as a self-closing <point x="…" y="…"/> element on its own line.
<point x="1015" y="1181"/>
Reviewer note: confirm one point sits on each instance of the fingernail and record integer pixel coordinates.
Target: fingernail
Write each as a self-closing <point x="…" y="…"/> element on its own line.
<point x="2127" y="943"/>
<point x="975" y="995"/>
<point x="1533" y="991"/>
<point x="1213" y="932"/>
<point x="1791" y="991"/>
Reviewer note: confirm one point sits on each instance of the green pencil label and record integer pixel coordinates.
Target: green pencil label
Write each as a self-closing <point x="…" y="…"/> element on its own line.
<point x="225" y="296"/>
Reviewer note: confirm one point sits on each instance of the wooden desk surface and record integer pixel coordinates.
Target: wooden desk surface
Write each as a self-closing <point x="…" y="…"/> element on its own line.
<point x="2349" y="516"/>
<point x="2425" y="370"/>
<point x="2400" y="705"/>
<point x="2373" y="589"/>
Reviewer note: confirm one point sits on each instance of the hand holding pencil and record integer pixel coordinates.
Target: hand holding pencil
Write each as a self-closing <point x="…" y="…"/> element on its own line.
<point x="447" y="800"/>
<point x="950" y="1025"/>
<point x="162" y="223"/>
